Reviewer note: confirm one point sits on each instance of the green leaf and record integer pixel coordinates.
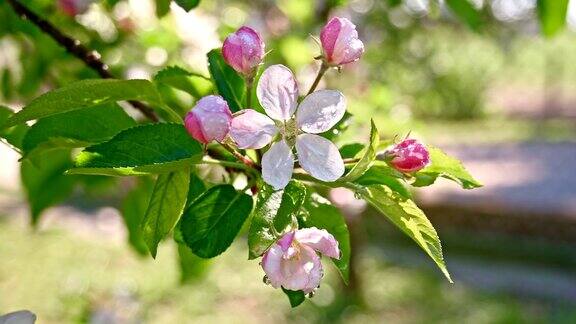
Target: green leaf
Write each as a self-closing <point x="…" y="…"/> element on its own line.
<point x="165" y="207"/>
<point x="152" y="148"/>
<point x="367" y="159"/>
<point x="133" y="210"/>
<point x="380" y="173"/>
<point x="77" y="128"/>
<point x="214" y="219"/>
<point x="274" y="214"/>
<point x="177" y="77"/>
<point x="162" y="7"/>
<point x="192" y="267"/>
<point x="464" y="10"/>
<point x="45" y="183"/>
<point x="404" y="213"/>
<point x="86" y="93"/>
<point x="323" y="215"/>
<point x="445" y="166"/>
<point x="196" y="188"/>
<point x="552" y="15"/>
<point x="13" y="135"/>
<point x="229" y="83"/>
<point x="187" y="4"/>
<point x="295" y="297"/>
<point x="350" y="151"/>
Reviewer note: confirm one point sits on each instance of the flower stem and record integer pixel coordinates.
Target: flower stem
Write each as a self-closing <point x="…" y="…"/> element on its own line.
<point x="249" y="83"/>
<point x="234" y="165"/>
<point x="323" y="68"/>
<point x="244" y="159"/>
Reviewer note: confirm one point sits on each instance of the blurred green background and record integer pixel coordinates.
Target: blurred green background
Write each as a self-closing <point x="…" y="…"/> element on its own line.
<point x="489" y="89"/>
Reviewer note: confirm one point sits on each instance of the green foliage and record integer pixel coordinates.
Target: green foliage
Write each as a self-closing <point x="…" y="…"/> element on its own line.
<point x="275" y="213"/>
<point x="466" y="12"/>
<point x="295" y="297"/>
<point x="349" y="151"/>
<point x="179" y="78"/>
<point x="367" y="158"/>
<point x="13" y="135"/>
<point x="133" y="210"/>
<point x="162" y="7"/>
<point x="77" y="128"/>
<point x="552" y="15"/>
<point x="321" y="214"/>
<point x="154" y="148"/>
<point x="166" y="205"/>
<point x="445" y="166"/>
<point x="187" y="4"/>
<point x="404" y="213"/>
<point x="45" y="183"/>
<point x="212" y="221"/>
<point x="86" y="93"/>
<point x="382" y="174"/>
<point x="230" y="84"/>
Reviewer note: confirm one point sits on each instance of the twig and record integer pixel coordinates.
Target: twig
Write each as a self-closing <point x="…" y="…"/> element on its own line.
<point x="90" y="57"/>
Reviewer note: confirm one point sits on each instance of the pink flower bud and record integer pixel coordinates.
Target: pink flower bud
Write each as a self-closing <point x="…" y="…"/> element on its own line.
<point x="340" y="42"/>
<point x="408" y="156"/>
<point x="243" y="50"/>
<point x="209" y="120"/>
<point x="74" y="7"/>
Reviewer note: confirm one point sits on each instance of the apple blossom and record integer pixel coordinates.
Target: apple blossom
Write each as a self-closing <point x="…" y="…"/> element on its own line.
<point x="293" y="262"/>
<point x="244" y="50"/>
<point x="340" y="42"/>
<point x="209" y="120"/>
<point x="297" y="124"/>
<point x="408" y="156"/>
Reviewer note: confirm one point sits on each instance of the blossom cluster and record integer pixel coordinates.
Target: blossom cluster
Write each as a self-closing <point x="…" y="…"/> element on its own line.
<point x="289" y="130"/>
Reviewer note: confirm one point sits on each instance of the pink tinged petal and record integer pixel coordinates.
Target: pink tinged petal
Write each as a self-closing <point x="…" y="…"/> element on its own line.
<point x="277" y="92"/>
<point x="272" y="265"/>
<point x="347" y="47"/>
<point x="252" y="129"/>
<point x="320" y="111"/>
<point x="278" y="165"/>
<point x="319" y="157"/>
<point x="243" y="50"/>
<point x="209" y="120"/>
<point x="329" y="35"/>
<point x="320" y="240"/>
<point x="286" y="241"/>
<point x="303" y="271"/>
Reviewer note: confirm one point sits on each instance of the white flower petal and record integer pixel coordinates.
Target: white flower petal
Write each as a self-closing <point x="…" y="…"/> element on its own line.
<point x="319" y="157"/>
<point x="277" y="165"/>
<point x="320" y="240"/>
<point x="252" y="129"/>
<point x="278" y="92"/>
<point x="320" y="111"/>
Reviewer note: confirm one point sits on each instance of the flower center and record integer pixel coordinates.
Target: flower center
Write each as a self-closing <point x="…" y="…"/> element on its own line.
<point x="290" y="131"/>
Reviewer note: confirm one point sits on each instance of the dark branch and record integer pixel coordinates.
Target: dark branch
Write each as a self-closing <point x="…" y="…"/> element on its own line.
<point x="90" y="57"/>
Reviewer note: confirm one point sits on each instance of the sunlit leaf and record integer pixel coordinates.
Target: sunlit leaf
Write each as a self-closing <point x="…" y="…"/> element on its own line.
<point x="133" y="210"/>
<point x="404" y="213"/>
<point x="442" y="165"/>
<point x="83" y="94"/>
<point x="295" y="297"/>
<point x="152" y="148"/>
<point x="77" y="128"/>
<point x="464" y="10"/>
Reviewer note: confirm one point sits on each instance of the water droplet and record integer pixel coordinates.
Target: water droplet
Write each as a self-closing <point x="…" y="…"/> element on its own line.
<point x="266" y="280"/>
